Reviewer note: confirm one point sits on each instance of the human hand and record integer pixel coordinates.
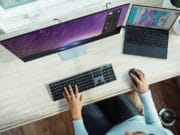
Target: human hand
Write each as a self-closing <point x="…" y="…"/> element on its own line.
<point x="74" y="100"/>
<point x="139" y="82"/>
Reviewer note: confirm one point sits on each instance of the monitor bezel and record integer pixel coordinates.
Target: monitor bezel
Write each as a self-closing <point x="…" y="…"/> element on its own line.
<point x="152" y="7"/>
<point x="45" y="53"/>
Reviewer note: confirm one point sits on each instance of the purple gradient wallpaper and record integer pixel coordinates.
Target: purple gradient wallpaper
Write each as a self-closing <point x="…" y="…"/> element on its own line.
<point x="62" y="36"/>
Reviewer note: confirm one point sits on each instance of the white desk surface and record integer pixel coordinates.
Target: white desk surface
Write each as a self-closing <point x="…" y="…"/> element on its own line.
<point x="24" y="97"/>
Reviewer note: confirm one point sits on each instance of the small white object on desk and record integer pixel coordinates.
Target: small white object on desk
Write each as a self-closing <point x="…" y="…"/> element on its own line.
<point x="176" y="26"/>
<point x="168" y="4"/>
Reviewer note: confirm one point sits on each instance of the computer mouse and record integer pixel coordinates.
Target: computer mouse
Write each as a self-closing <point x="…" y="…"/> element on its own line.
<point x="133" y="71"/>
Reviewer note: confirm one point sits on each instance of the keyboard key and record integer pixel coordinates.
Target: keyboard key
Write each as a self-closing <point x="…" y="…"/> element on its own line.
<point x="149" y="37"/>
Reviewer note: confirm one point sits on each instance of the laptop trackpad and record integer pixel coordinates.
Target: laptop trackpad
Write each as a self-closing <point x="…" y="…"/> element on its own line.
<point x="151" y="51"/>
<point x="145" y="50"/>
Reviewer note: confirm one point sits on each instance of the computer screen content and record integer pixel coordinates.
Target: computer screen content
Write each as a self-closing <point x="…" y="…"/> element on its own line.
<point x="152" y="17"/>
<point x="67" y="35"/>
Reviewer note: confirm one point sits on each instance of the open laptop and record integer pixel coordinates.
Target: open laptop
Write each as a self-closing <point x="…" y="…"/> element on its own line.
<point x="147" y="31"/>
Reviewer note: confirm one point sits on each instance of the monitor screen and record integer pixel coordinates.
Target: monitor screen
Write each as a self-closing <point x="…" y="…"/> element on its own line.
<point x="152" y="17"/>
<point x="68" y="34"/>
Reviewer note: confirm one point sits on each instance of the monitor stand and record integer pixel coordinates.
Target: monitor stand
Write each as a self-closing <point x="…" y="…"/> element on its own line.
<point x="73" y="53"/>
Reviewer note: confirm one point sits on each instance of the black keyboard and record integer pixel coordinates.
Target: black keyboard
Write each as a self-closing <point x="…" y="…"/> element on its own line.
<point x="85" y="81"/>
<point x="146" y="36"/>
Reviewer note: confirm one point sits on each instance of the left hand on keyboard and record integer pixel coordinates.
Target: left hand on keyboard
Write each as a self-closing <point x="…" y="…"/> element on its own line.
<point x="74" y="100"/>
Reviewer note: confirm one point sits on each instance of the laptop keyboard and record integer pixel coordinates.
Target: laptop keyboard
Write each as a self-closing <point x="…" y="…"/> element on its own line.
<point x="149" y="37"/>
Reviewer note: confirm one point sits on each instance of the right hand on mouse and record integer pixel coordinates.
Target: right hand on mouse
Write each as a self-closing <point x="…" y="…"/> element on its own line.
<point x="139" y="83"/>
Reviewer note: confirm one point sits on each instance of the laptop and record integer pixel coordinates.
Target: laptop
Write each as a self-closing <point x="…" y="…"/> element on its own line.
<point x="147" y="31"/>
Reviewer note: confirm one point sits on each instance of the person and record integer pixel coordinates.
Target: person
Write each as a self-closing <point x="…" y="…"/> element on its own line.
<point x="136" y="124"/>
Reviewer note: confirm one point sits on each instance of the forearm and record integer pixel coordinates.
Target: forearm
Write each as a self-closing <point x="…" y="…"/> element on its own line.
<point x="79" y="127"/>
<point x="151" y="115"/>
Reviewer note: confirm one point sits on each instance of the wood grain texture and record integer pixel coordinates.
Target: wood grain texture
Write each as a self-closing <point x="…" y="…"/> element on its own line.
<point x="57" y="125"/>
<point x="166" y="94"/>
<point x="24" y="95"/>
<point x="61" y="124"/>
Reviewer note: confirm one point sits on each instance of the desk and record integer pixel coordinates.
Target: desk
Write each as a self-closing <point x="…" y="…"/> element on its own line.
<point x="24" y="97"/>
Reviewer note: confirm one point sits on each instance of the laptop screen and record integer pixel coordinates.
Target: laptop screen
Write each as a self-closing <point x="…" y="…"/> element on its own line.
<point x="67" y="35"/>
<point x="152" y="17"/>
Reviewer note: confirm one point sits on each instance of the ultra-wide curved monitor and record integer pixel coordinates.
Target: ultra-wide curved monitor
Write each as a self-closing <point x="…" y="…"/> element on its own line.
<point x="68" y="34"/>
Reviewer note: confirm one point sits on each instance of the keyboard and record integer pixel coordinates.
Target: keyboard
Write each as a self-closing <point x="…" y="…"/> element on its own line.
<point x="87" y="80"/>
<point x="146" y="36"/>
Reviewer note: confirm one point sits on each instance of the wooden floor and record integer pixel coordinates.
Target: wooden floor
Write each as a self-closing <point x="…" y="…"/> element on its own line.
<point x="165" y="94"/>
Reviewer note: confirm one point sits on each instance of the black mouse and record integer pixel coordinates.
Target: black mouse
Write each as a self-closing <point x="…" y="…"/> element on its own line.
<point x="133" y="71"/>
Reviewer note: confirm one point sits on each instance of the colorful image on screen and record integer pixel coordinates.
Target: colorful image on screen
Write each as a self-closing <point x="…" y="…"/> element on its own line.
<point x="64" y="36"/>
<point x="152" y="17"/>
